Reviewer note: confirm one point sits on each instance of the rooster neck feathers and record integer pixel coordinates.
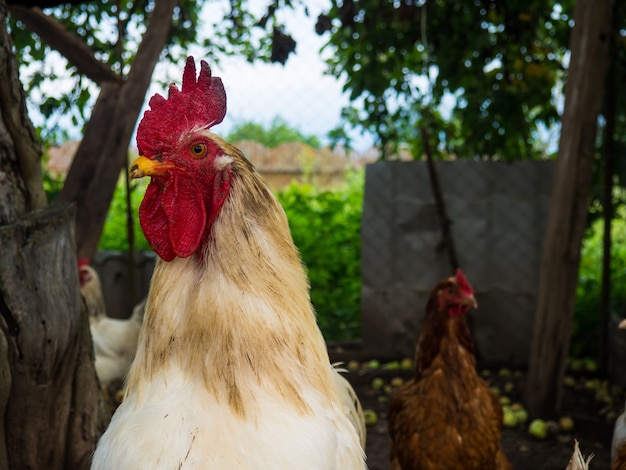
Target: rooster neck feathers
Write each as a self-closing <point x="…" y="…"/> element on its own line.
<point x="242" y="279"/>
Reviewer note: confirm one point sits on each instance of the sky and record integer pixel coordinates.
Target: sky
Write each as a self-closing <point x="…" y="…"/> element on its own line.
<point x="299" y="92"/>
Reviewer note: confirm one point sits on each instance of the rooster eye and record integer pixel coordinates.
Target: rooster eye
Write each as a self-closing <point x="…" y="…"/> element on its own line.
<point x="198" y="150"/>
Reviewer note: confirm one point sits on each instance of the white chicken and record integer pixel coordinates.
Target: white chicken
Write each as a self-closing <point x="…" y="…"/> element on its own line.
<point x="578" y="461"/>
<point x="114" y="339"/>
<point x="91" y="289"/>
<point x="231" y="371"/>
<point x="115" y="344"/>
<point x="351" y="404"/>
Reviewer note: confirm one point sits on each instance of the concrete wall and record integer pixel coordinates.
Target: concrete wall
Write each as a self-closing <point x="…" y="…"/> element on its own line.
<point x="498" y="212"/>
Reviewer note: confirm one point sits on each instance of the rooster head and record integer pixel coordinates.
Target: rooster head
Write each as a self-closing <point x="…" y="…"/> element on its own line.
<point x="456" y="295"/>
<point x="84" y="273"/>
<point x="189" y="182"/>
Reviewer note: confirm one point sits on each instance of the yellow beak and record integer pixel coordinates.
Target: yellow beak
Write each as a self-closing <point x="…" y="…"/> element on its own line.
<point x="143" y="166"/>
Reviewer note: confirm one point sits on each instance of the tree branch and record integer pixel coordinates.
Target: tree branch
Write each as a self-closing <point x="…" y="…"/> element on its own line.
<point x="71" y="47"/>
<point x="19" y="128"/>
<point x="104" y="149"/>
<point x="446" y="233"/>
<point x="46" y="3"/>
<point x="567" y="216"/>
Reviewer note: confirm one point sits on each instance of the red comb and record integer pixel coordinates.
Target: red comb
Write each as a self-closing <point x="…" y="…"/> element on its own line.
<point x="83" y="262"/>
<point x="200" y="104"/>
<point x="463" y="283"/>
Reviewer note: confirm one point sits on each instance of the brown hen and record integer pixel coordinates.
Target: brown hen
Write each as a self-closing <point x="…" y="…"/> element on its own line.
<point x="446" y="417"/>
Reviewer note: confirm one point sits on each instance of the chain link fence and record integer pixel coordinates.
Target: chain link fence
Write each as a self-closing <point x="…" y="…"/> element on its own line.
<point x="498" y="213"/>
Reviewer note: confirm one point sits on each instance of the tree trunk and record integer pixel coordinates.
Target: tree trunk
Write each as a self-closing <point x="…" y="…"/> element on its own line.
<point x="103" y="151"/>
<point x="21" y="187"/>
<point x="447" y="241"/>
<point x="55" y="410"/>
<point x="51" y="407"/>
<point x="568" y="207"/>
<point x="607" y="215"/>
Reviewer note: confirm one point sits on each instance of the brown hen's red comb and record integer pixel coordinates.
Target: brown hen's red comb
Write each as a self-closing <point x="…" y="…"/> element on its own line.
<point x="200" y="104"/>
<point x="463" y="283"/>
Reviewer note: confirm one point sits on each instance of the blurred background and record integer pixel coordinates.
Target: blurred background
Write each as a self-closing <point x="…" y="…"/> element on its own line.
<point x="322" y="95"/>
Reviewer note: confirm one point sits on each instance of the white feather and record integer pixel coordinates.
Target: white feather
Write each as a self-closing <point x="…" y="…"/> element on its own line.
<point x="180" y="426"/>
<point x="619" y="434"/>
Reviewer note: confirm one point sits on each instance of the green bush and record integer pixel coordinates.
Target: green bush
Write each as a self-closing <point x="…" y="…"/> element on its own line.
<point x="52" y="185"/>
<point x="325" y="225"/>
<point x="278" y="133"/>
<point x="587" y="315"/>
<point x="115" y="233"/>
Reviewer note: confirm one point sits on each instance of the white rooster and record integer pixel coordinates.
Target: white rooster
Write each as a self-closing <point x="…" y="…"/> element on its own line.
<point x="578" y="461"/>
<point x="232" y="371"/>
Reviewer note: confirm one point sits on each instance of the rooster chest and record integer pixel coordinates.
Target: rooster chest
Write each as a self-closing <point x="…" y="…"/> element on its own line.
<point x="178" y="426"/>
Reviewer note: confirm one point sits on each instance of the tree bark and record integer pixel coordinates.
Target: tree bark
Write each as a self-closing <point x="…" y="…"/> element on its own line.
<point x="21" y="190"/>
<point x="589" y="44"/>
<point x="608" y="144"/>
<point x="70" y="46"/>
<point x="51" y="407"/>
<point x="55" y="410"/>
<point x="446" y="232"/>
<point x="101" y="155"/>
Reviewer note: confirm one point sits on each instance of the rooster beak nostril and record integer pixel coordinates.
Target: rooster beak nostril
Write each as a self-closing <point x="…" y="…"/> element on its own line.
<point x="132" y="172"/>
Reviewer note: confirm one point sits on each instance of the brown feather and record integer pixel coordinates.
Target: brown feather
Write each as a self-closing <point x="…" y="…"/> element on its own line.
<point x="446" y="417"/>
<point x="619" y="460"/>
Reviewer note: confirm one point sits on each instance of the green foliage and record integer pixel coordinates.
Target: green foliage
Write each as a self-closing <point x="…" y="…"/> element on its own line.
<point x="587" y="315"/>
<point x="114" y="31"/>
<point x="498" y="62"/>
<point x="254" y="36"/>
<point x="278" y="133"/>
<point x="326" y="224"/>
<point x="52" y="185"/>
<point x="115" y="232"/>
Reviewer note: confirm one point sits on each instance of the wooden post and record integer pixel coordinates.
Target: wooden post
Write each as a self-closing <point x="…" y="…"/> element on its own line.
<point x="442" y="213"/>
<point x="589" y="46"/>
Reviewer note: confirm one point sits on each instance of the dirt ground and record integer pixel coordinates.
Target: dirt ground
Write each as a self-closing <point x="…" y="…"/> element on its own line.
<point x="591" y="403"/>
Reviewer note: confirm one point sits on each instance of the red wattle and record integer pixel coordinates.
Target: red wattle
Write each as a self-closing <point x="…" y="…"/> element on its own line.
<point x="154" y="222"/>
<point x="184" y="207"/>
<point x="457" y="310"/>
